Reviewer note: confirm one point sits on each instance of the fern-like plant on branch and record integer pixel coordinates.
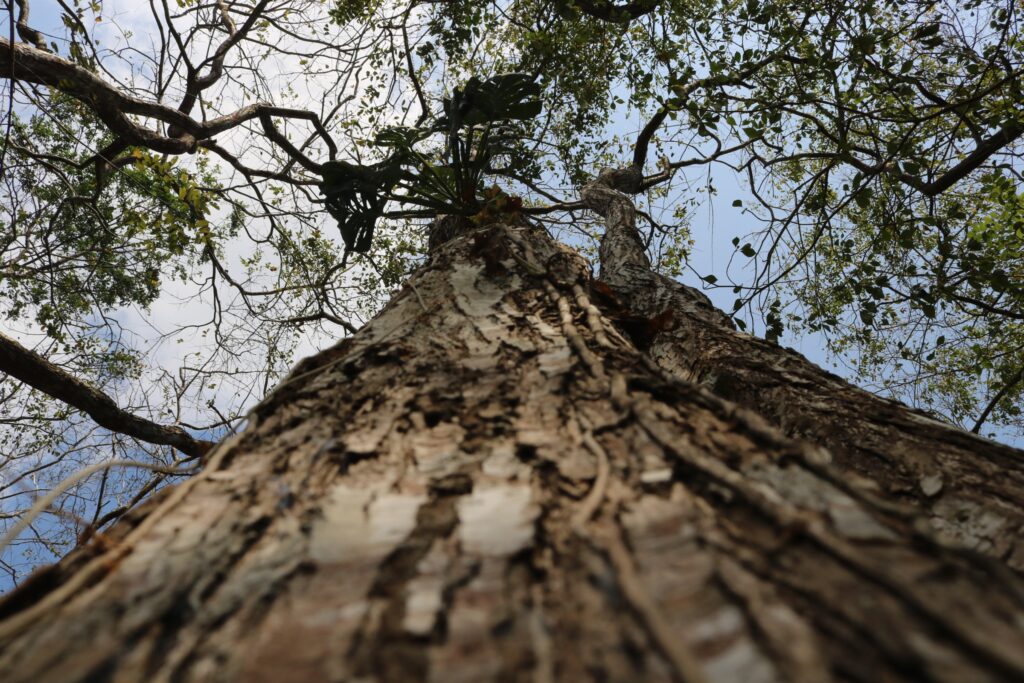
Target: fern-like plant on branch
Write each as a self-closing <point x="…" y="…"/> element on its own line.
<point x="477" y="123"/>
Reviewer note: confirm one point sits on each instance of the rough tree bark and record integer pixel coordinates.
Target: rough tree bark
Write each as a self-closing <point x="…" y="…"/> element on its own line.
<point x="518" y="472"/>
<point x="971" y="488"/>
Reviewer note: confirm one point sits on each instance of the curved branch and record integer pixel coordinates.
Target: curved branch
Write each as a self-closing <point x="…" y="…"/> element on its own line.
<point x="622" y="251"/>
<point x="276" y="136"/>
<point x="23" y="62"/>
<point x="1000" y="395"/>
<point x="196" y="83"/>
<point x="985" y="149"/>
<point x="27" y="33"/>
<point x="643" y="140"/>
<point x="981" y="153"/>
<point x="39" y="373"/>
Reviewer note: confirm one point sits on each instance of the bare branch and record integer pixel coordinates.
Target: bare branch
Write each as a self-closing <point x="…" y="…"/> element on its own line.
<point x="1007" y="388"/>
<point x="114" y="107"/>
<point x="39" y="373"/>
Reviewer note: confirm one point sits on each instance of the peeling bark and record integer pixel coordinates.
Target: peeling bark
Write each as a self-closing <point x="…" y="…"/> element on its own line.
<point x="491" y="482"/>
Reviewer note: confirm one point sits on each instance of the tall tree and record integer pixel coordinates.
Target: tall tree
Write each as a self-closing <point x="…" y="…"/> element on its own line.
<point x="491" y="480"/>
<point x="523" y="469"/>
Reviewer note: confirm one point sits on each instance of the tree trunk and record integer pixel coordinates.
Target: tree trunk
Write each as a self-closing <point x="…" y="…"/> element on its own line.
<point x="971" y="488"/>
<point x="494" y="481"/>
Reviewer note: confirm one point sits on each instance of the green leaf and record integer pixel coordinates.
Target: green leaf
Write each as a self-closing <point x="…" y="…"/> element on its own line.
<point x="513" y="96"/>
<point x="925" y="31"/>
<point x="400" y="137"/>
<point x="355" y="197"/>
<point x="863" y="197"/>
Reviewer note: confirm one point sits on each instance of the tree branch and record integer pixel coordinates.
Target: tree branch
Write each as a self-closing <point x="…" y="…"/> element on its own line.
<point x="622" y="251"/>
<point x="27" y="33"/>
<point x="643" y="140"/>
<point x="1007" y="134"/>
<point x="39" y="373"/>
<point x="197" y="83"/>
<point x="26" y="63"/>
<point x="1009" y="386"/>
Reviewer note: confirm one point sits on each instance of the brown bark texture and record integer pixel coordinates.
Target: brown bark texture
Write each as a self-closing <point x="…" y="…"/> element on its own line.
<point x="518" y="472"/>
